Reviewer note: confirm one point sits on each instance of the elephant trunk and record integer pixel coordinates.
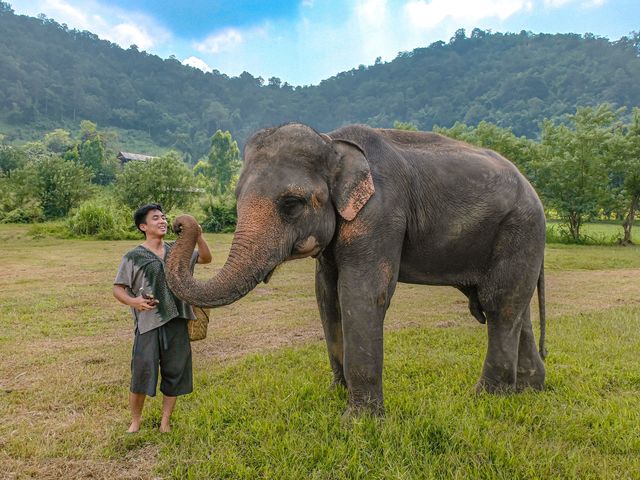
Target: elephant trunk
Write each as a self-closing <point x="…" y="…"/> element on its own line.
<point x="256" y="250"/>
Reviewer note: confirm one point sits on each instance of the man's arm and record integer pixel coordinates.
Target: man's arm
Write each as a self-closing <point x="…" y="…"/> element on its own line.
<point x="204" y="254"/>
<point x="139" y="303"/>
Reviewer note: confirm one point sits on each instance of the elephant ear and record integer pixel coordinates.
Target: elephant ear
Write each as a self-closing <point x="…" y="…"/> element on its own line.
<point x="351" y="183"/>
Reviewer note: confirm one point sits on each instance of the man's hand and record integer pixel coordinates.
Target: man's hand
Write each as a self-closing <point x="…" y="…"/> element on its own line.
<point x="139" y="303"/>
<point x="142" y="304"/>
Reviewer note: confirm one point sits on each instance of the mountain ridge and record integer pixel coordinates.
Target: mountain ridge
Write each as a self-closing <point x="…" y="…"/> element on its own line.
<point x="51" y="76"/>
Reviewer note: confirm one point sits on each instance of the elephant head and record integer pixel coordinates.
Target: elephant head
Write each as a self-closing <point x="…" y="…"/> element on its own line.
<point x="294" y="183"/>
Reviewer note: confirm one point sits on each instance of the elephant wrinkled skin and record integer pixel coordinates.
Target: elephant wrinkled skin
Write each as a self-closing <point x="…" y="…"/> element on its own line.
<point x="376" y="207"/>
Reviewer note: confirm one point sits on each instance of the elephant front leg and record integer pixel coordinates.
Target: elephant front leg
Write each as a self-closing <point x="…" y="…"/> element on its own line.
<point x="363" y="302"/>
<point x="329" y="306"/>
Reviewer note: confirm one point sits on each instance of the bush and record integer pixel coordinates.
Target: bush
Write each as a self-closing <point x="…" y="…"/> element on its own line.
<point x="56" y="229"/>
<point x="560" y="233"/>
<point x="54" y="184"/>
<point x="27" y="213"/>
<point x="220" y="214"/>
<point x="102" y="221"/>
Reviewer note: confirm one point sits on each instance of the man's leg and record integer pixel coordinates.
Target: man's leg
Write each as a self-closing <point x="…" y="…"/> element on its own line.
<point x="168" y="404"/>
<point x="136" y="402"/>
<point x="144" y="374"/>
<point x="175" y="368"/>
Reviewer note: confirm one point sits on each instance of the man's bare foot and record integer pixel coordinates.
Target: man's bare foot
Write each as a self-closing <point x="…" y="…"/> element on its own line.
<point x="165" y="427"/>
<point x="134" y="427"/>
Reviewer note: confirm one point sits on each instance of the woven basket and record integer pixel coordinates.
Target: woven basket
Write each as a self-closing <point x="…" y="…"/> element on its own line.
<point x="198" y="327"/>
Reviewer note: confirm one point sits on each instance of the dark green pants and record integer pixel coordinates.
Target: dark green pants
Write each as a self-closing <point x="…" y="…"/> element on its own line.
<point x="167" y="349"/>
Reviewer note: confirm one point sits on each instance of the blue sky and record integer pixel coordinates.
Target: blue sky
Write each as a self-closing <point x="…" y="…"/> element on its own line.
<point x="305" y="41"/>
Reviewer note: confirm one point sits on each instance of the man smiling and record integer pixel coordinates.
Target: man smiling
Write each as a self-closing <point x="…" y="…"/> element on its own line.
<point x="161" y="337"/>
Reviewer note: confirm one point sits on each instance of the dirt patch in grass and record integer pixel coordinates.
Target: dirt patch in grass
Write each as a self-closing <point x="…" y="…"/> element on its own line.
<point x="137" y="465"/>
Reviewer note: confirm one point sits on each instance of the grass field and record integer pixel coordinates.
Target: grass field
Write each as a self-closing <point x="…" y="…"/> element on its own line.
<point x="262" y="407"/>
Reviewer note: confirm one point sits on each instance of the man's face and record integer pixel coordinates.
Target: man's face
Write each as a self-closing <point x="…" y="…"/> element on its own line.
<point x="155" y="224"/>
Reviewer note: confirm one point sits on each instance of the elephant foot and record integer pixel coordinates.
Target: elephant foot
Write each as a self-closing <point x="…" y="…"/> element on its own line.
<point x="354" y="412"/>
<point x="338" y="382"/>
<point x="494" y="387"/>
<point x="533" y="379"/>
<point x="364" y="405"/>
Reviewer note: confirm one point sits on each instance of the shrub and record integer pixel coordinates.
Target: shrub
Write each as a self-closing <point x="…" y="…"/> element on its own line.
<point x="102" y="221"/>
<point x="220" y="214"/>
<point x="29" y="212"/>
<point x="56" y="229"/>
<point x="55" y="184"/>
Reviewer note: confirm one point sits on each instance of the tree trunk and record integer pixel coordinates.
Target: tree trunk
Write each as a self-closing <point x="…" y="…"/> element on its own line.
<point x="574" y="226"/>
<point x="629" y="219"/>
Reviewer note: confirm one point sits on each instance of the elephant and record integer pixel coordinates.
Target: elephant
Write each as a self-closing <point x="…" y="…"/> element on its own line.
<point x="376" y="207"/>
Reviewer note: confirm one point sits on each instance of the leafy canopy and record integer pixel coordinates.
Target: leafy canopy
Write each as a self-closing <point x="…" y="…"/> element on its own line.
<point x="166" y="180"/>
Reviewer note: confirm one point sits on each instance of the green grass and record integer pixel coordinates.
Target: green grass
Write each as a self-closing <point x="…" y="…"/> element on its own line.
<point x="273" y="417"/>
<point x="262" y="409"/>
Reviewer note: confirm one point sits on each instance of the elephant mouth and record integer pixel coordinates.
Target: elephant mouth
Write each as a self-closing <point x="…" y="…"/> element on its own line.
<point x="307" y="248"/>
<point x="269" y="275"/>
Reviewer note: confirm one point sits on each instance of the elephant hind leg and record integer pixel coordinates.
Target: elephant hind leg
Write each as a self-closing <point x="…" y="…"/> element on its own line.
<point x="505" y="294"/>
<point x="531" y="371"/>
<point x="499" y="372"/>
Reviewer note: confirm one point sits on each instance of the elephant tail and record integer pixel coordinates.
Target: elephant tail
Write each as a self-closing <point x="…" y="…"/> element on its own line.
<point x="543" y="320"/>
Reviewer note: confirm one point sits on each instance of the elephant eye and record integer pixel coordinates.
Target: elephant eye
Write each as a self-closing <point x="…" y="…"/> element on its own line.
<point x="291" y="206"/>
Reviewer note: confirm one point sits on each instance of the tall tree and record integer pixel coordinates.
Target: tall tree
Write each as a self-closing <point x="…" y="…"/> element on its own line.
<point x="625" y="172"/>
<point x="166" y="180"/>
<point x="56" y="184"/>
<point x="573" y="175"/>
<point x="92" y="152"/>
<point x="223" y="163"/>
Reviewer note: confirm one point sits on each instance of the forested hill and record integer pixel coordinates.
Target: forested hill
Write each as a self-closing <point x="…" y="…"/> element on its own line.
<point x="51" y="76"/>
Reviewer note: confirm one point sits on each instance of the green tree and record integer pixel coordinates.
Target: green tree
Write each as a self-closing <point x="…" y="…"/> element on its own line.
<point x="10" y="159"/>
<point x="166" y="180"/>
<point x="223" y="163"/>
<point x="58" y="141"/>
<point x="625" y="172"/>
<point x="55" y="184"/>
<point x="220" y="213"/>
<point x="92" y="152"/>
<point x="573" y="175"/>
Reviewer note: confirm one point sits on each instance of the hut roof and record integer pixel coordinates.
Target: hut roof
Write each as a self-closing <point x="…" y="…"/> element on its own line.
<point x="128" y="156"/>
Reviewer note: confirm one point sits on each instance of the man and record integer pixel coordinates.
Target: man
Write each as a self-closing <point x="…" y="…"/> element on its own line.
<point x="161" y="336"/>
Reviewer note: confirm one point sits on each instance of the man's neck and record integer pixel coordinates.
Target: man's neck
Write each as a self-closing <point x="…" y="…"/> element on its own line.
<point x="154" y="243"/>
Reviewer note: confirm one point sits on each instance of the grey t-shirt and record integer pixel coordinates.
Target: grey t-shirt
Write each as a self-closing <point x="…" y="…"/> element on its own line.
<point x="133" y="278"/>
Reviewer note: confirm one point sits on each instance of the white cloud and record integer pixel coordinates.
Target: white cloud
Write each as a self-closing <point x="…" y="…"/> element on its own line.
<point x="197" y="63"/>
<point x="372" y="12"/>
<point x="111" y="23"/>
<point x="223" y="41"/>
<point x="582" y="3"/>
<point x="556" y="3"/>
<point x="129" y="34"/>
<point x="428" y="15"/>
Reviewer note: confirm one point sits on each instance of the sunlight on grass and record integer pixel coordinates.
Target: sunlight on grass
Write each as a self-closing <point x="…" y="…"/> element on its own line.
<point x="272" y="416"/>
<point x="262" y="407"/>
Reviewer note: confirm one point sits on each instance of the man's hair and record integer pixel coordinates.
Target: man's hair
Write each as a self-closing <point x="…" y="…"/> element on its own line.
<point x="140" y="214"/>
